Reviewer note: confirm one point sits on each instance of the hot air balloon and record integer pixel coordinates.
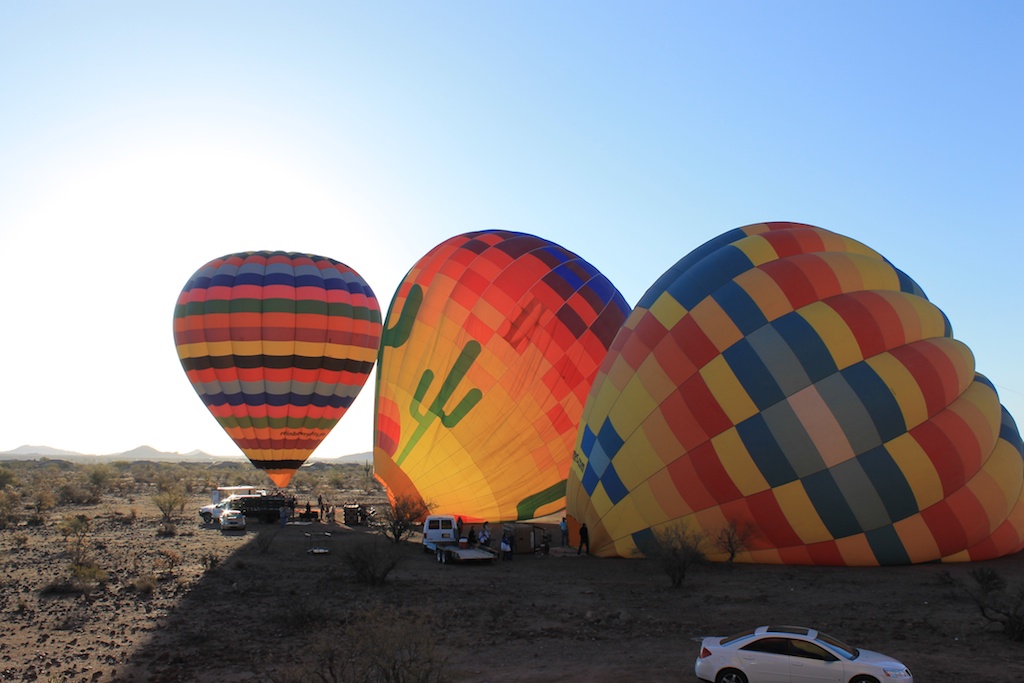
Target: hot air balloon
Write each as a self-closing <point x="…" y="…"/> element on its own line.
<point x="489" y="349"/>
<point x="277" y="345"/>
<point x="790" y="381"/>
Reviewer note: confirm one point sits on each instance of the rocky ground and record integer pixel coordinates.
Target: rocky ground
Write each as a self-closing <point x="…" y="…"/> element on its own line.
<point x="205" y="605"/>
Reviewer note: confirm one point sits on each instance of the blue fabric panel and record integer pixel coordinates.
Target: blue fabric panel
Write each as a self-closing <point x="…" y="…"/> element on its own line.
<point x="892" y="487"/>
<point x="751" y="372"/>
<point x="886" y="545"/>
<point x="609" y="439"/>
<point x="809" y="348"/>
<point x="830" y="504"/>
<point x="703" y="279"/>
<point x="684" y="264"/>
<point x="877" y="400"/>
<point x="765" y="451"/>
<point x="740" y="308"/>
<point x="613" y="485"/>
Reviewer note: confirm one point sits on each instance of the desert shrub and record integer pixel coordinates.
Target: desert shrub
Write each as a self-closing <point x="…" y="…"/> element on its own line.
<point x="676" y="548"/>
<point x="145" y="584"/>
<point x="265" y="539"/>
<point x="75" y="531"/>
<point x="170" y="559"/>
<point x="87" y="573"/>
<point x="7" y="478"/>
<point x="210" y="561"/>
<point x="10" y="504"/>
<point x="371" y="560"/>
<point x="398" y="520"/>
<point x="169" y="502"/>
<point x="733" y="538"/>
<point x="43" y="500"/>
<point x="75" y="493"/>
<point x="997" y="601"/>
<point x="166" y="529"/>
<point x="378" y="645"/>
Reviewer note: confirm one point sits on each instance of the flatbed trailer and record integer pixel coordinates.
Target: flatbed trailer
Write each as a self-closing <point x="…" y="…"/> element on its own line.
<point x="448" y="552"/>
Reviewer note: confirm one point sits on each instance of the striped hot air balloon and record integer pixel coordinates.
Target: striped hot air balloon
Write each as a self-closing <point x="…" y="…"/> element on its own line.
<point x="791" y="382"/>
<point x="277" y="345"/>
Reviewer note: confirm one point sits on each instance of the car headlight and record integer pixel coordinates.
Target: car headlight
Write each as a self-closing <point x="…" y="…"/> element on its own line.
<point x="897" y="673"/>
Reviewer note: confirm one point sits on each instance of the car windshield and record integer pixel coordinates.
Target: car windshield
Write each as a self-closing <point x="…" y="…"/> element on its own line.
<point x="836" y="644"/>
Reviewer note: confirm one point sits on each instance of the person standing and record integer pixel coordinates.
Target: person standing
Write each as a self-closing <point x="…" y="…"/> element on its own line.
<point x="584" y="539"/>
<point x="563" y="526"/>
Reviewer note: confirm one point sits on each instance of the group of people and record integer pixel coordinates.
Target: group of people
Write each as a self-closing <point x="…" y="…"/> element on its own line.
<point x="507" y="544"/>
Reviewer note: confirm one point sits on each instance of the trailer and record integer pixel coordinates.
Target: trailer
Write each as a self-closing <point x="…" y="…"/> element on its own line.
<point x="441" y="537"/>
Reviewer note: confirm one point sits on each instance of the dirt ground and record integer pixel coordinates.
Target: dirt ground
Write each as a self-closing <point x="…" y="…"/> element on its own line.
<point x="205" y="605"/>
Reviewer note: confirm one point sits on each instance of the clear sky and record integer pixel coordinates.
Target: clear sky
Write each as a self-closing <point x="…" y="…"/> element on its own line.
<point x="139" y="140"/>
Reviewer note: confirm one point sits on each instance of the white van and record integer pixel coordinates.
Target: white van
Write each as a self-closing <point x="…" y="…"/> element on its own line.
<point x="440" y="529"/>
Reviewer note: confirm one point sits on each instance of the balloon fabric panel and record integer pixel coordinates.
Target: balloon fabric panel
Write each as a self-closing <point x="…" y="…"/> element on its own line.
<point x="277" y="345"/>
<point x="490" y="346"/>
<point x="789" y="378"/>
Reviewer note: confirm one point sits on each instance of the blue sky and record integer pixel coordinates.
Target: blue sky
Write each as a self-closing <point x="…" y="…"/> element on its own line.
<point x="140" y="140"/>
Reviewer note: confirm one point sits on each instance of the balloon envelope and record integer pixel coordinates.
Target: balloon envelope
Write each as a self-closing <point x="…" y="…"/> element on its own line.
<point x="788" y="381"/>
<point x="277" y="345"/>
<point x="489" y="349"/>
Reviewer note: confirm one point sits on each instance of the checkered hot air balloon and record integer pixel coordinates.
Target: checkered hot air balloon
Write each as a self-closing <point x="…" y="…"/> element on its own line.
<point x="277" y="345"/>
<point x="489" y="349"/>
<point x="790" y="381"/>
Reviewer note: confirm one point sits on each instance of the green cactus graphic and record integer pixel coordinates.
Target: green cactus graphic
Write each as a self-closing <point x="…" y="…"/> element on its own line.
<point x="398" y="334"/>
<point x="436" y="411"/>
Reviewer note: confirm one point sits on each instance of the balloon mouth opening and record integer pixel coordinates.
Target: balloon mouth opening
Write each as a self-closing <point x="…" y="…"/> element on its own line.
<point x="281" y="478"/>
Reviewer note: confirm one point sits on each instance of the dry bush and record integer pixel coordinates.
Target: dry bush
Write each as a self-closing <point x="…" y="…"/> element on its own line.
<point x="378" y="645"/>
<point x="265" y="539"/>
<point x="399" y="520"/>
<point x="998" y="602"/>
<point x="676" y="548"/>
<point x="371" y="560"/>
<point x="733" y="538"/>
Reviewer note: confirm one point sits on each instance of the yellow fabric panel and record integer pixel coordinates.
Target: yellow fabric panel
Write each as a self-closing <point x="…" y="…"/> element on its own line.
<point x="600" y="502"/>
<point x="834" y="333"/>
<point x="800" y="512"/>
<point x="647" y="508"/>
<point x="733" y="456"/>
<point x="856" y="551"/>
<point x="667" y="310"/>
<point x="623" y="519"/>
<point x="661" y="437"/>
<point x="619" y="375"/>
<point x="917" y="468"/>
<point x="727" y="390"/>
<point x="359" y="353"/>
<point x="601" y="404"/>
<point x="987" y="490"/>
<point x="765" y="292"/>
<point x="757" y="249"/>
<point x="666" y="496"/>
<point x="623" y="547"/>
<point x="716" y="324"/>
<point x="1005" y="467"/>
<point x="762" y="556"/>
<point x="903" y="386"/>
<point x="962" y="360"/>
<point x="654" y="382"/>
<point x="636" y="461"/>
<point x="917" y="539"/>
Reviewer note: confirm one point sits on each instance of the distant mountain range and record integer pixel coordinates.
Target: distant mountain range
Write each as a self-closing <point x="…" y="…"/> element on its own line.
<point x="148" y="453"/>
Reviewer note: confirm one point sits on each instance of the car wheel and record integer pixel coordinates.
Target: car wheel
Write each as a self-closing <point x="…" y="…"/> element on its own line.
<point x="440" y="554"/>
<point x="864" y="679"/>
<point x="730" y="676"/>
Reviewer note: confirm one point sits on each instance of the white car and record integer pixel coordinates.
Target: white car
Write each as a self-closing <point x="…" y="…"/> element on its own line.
<point x="791" y="654"/>
<point x="232" y="519"/>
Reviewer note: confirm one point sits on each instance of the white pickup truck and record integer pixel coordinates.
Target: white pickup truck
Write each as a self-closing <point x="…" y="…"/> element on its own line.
<point x="441" y="536"/>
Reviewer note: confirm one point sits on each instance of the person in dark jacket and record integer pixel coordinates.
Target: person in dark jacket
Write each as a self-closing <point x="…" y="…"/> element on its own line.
<point x="584" y="539"/>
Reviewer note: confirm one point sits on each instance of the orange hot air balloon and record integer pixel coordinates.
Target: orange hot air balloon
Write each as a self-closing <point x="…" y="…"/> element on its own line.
<point x="277" y="345"/>
<point x="492" y="341"/>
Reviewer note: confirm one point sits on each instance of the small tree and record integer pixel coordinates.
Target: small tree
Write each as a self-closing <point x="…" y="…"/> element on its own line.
<point x="7" y="478"/>
<point x="75" y="530"/>
<point x="169" y="502"/>
<point x="399" y="519"/>
<point x="99" y="478"/>
<point x="732" y="539"/>
<point x="677" y="548"/>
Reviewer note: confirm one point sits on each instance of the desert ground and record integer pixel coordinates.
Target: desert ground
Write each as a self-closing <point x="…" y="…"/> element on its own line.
<point x="188" y="602"/>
